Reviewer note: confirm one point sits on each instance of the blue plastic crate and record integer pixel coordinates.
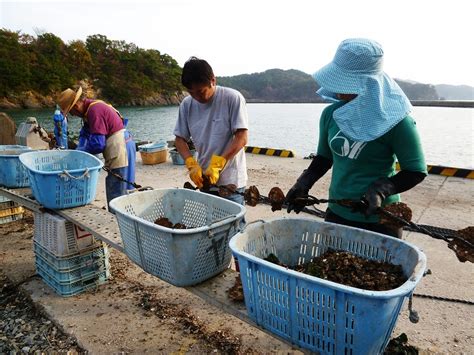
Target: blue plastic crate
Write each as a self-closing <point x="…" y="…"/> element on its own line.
<point x="181" y="257"/>
<point x="13" y="173"/>
<point x="177" y="158"/>
<point x="72" y="288"/>
<point x="67" y="277"/>
<point x="316" y="314"/>
<point x="152" y="147"/>
<point x="62" y="178"/>
<point x="70" y="263"/>
<point x="85" y="271"/>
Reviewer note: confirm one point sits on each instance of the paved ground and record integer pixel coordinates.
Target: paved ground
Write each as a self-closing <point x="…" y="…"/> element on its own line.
<point x="138" y="313"/>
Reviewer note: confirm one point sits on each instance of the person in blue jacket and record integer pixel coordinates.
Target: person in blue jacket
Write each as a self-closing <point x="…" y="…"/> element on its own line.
<point x="60" y="129"/>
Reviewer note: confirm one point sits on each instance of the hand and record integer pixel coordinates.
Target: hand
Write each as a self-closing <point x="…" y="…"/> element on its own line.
<point x="215" y="167"/>
<point x="195" y="171"/>
<point x="376" y="193"/>
<point x="298" y="190"/>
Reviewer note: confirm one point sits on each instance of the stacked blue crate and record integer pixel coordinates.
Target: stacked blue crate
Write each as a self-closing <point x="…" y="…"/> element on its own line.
<point x="68" y="265"/>
<point x="72" y="275"/>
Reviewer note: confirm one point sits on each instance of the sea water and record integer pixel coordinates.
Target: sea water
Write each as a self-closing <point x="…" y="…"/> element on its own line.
<point x="447" y="134"/>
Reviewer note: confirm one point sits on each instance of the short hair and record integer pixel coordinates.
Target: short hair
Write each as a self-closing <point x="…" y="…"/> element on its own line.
<point x="196" y="71"/>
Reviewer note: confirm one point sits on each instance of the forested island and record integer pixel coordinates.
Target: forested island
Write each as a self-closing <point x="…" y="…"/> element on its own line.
<point x="34" y="69"/>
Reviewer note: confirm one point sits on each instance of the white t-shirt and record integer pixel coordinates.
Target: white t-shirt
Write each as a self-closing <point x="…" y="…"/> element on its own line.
<point x="212" y="126"/>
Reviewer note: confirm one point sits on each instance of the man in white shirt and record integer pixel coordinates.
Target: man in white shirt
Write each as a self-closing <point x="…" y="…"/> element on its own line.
<point x="216" y="120"/>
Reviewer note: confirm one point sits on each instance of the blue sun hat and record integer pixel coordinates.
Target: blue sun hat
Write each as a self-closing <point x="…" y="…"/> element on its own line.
<point x="380" y="103"/>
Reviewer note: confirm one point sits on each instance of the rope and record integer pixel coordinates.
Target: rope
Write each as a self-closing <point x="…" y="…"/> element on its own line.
<point x="65" y="174"/>
<point x="434" y="232"/>
<point x="446" y="299"/>
<point x="413" y="317"/>
<point x="424" y="230"/>
<point x="121" y="178"/>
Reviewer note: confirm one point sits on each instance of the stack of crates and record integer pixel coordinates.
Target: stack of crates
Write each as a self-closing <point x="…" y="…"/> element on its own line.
<point x="68" y="259"/>
<point x="9" y="210"/>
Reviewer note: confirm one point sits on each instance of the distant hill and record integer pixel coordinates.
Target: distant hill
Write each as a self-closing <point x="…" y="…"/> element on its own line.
<point x="418" y="91"/>
<point x="455" y="92"/>
<point x="277" y="85"/>
<point x="274" y="85"/>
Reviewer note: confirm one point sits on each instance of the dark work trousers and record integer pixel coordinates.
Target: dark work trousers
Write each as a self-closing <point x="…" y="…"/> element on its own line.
<point x="374" y="227"/>
<point x="114" y="187"/>
<point x="238" y="198"/>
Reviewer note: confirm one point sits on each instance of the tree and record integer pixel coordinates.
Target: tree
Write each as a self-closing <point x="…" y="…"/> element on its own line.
<point x="78" y="60"/>
<point x="48" y="65"/>
<point x="14" y="63"/>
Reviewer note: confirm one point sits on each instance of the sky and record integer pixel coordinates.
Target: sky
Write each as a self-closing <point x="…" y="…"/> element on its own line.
<point x="427" y="41"/>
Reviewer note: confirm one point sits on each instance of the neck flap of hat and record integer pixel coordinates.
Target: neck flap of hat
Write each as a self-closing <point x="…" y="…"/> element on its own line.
<point x="373" y="112"/>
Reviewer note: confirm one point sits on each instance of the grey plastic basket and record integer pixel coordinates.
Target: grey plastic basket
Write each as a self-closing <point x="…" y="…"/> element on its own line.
<point x="182" y="257"/>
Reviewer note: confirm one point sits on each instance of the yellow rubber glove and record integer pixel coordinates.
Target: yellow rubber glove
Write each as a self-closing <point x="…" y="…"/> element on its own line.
<point x="215" y="166"/>
<point x="195" y="171"/>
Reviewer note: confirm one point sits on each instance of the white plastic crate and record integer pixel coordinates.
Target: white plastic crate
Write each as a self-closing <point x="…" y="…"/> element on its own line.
<point x="322" y="316"/>
<point x="181" y="257"/>
<point x="59" y="236"/>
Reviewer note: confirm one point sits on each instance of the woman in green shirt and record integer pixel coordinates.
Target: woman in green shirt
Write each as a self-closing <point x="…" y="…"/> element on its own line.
<point x="362" y="135"/>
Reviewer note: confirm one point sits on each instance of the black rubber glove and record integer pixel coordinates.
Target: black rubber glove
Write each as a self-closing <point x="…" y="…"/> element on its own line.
<point x="299" y="189"/>
<point x="377" y="192"/>
<point x="318" y="167"/>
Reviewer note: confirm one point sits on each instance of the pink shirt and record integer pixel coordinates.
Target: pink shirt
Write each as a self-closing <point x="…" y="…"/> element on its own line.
<point x="102" y="119"/>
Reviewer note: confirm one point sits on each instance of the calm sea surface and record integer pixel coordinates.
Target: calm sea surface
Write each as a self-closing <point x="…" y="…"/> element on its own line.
<point x="447" y="134"/>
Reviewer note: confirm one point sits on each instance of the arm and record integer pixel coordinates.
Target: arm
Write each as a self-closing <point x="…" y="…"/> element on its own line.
<point x="182" y="146"/>
<point x="239" y="142"/>
<point x="318" y="167"/>
<point x="407" y="147"/>
<point x="95" y="144"/>
<point x="195" y="170"/>
<point x="218" y="162"/>
<point x="405" y="180"/>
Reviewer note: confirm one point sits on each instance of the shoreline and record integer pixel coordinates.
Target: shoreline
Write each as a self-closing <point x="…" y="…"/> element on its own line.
<point x="48" y="103"/>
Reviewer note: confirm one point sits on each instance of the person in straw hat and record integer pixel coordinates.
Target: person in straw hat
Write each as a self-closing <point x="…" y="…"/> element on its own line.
<point x="361" y="135"/>
<point x="103" y="132"/>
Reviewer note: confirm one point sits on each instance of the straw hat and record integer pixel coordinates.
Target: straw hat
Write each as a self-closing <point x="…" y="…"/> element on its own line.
<point x="67" y="99"/>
